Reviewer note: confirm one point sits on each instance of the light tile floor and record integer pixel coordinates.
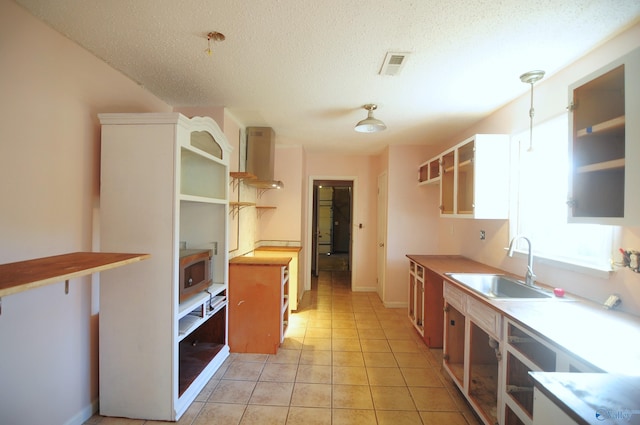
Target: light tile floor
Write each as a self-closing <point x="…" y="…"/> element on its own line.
<point x="346" y="359"/>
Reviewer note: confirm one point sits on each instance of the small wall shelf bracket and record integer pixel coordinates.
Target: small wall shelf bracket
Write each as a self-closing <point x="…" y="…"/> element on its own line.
<point x="235" y="207"/>
<point x="238" y="176"/>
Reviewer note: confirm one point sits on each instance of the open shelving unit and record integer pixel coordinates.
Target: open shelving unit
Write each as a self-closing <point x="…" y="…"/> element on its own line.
<point x="164" y="187"/>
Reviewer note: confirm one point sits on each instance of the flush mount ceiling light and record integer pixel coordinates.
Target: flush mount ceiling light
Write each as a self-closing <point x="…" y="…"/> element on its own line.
<point x="215" y="36"/>
<point x="531" y="77"/>
<point x="370" y="124"/>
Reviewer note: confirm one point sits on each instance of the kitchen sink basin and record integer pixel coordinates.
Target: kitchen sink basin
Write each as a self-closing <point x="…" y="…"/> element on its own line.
<point x="497" y="286"/>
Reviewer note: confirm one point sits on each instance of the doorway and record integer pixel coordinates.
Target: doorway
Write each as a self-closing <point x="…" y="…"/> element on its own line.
<point x="332" y="218"/>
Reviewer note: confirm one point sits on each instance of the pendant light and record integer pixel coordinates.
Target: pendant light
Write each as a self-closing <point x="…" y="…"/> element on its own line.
<point x="370" y="124"/>
<point x="531" y="77"/>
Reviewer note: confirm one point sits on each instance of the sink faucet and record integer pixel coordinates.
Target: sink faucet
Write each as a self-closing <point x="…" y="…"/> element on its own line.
<point x="530" y="278"/>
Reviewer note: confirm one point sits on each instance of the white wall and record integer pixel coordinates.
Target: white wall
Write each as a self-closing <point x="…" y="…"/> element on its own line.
<point x="551" y="99"/>
<point x="49" y="191"/>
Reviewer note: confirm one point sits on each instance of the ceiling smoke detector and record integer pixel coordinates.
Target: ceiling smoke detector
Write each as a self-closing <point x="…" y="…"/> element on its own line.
<point x="393" y="63"/>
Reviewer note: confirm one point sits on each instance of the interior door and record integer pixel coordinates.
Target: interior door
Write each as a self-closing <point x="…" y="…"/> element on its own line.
<point x="381" y="257"/>
<point x="341" y="238"/>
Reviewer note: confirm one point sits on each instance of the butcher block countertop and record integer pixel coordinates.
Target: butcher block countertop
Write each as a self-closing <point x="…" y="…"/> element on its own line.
<point x="604" y="339"/>
<point x="261" y="261"/>
<point x="279" y="248"/>
<point x="31" y="274"/>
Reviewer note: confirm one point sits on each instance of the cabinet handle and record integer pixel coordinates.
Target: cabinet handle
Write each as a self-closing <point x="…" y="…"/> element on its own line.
<point x="445" y="308"/>
<point x="445" y="357"/>
<point x="571" y="202"/>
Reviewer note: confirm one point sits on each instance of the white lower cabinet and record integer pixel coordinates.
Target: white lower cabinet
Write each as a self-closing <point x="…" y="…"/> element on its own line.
<point x="489" y="358"/>
<point x="416" y="296"/>
<point x="472" y="351"/>
<point x="524" y="352"/>
<point x="546" y="412"/>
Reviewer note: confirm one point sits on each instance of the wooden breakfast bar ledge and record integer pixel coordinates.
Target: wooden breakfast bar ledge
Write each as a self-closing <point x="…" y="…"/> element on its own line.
<point x="30" y="274"/>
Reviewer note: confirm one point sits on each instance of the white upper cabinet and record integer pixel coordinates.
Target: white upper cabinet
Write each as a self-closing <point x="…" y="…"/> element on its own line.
<point x="604" y="148"/>
<point x="474" y="179"/>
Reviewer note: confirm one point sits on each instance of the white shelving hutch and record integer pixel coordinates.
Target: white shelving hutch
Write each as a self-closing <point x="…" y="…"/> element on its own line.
<point x="164" y="183"/>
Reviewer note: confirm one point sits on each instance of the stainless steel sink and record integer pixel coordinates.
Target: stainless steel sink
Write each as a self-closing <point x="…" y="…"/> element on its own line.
<point x="498" y="286"/>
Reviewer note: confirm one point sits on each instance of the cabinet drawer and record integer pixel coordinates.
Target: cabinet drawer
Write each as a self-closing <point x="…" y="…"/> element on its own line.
<point x="485" y="317"/>
<point x="454" y="296"/>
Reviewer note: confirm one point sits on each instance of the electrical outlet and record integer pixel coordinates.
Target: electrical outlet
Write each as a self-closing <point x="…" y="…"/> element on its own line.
<point x="482" y="235"/>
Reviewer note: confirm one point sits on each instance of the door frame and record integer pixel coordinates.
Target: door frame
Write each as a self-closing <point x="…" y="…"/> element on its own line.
<point x="382" y="201"/>
<point x="310" y="227"/>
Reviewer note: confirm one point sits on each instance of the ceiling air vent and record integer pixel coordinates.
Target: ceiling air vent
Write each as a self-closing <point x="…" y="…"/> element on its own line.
<point x="393" y="63"/>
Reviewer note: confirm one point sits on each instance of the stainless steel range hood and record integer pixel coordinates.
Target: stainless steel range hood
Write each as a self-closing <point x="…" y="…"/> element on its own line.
<point x="261" y="148"/>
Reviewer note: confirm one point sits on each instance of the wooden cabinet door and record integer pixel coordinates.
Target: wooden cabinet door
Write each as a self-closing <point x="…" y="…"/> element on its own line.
<point x="433" y="304"/>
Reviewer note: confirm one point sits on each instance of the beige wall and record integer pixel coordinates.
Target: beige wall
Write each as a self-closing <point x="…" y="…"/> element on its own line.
<point x="49" y="187"/>
<point x="283" y="225"/>
<point x="362" y="169"/>
<point x="412" y="218"/>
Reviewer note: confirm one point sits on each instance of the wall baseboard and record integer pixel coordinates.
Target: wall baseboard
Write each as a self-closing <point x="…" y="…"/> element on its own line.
<point x="83" y="415"/>
<point x="396" y="304"/>
<point x="365" y="289"/>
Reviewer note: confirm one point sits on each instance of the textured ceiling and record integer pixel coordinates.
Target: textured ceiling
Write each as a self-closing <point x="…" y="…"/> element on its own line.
<point x="306" y="67"/>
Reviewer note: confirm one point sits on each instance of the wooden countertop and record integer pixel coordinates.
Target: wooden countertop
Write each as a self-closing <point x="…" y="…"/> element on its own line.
<point x="605" y="339"/>
<point x="260" y="261"/>
<point x="592" y="398"/>
<point x="279" y="248"/>
<point x="30" y="274"/>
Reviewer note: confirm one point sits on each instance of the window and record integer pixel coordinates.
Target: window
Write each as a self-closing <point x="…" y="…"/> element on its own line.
<point x="539" y="209"/>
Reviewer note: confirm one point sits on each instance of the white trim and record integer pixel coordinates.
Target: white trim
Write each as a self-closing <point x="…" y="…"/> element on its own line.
<point x="566" y="264"/>
<point x="86" y="413"/>
<point x="397" y="304"/>
<point x="365" y="289"/>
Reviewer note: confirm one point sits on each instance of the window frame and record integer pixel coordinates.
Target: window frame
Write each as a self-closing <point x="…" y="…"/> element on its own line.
<point x="519" y="144"/>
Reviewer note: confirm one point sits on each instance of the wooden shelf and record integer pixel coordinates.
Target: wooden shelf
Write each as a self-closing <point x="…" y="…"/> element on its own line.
<point x="603" y="127"/>
<point x="266" y="207"/>
<point x="602" y="166"/>
<point x="465" y="163"/>
<point x="242" y="175"/>
<point x="238" y="176"/>
<point x="30" y="274"/>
